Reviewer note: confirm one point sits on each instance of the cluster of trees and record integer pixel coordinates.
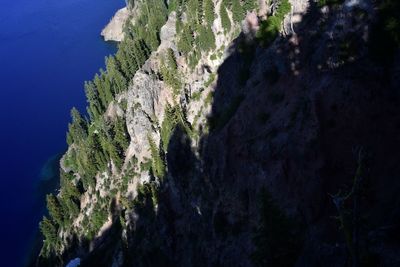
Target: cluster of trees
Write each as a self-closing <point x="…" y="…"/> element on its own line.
<point x="157" y="157"/>
<point x="92" y="224"/>
<point x="196" y="32"/>
<point x="120" y="69"/>
<point x="140" y="39"/>
<point x="104" y="141"/>
<point x="96" y="141"/>
<point x="225" y="20"/>
<point x="200" y="14"/>
<point x="173" y="117"/>
<point x="170" y="73"/>
<point x="269" y="29"/>
<point x="238" y="9"/>
<point x="92" y="148"/>
<point x="62" y="209"/>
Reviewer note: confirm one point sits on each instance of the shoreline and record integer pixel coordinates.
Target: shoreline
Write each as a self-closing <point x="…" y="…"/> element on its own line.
<point x="48" y="182"/>
<point x="114" y="30"/>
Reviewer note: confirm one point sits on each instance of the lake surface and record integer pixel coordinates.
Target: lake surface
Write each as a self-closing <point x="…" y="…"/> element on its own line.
<point x="48" y="48"/>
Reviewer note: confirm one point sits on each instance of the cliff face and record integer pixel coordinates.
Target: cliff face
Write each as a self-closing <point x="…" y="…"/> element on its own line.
<point x="114" y="29"/>
<point x="272" y="153"/>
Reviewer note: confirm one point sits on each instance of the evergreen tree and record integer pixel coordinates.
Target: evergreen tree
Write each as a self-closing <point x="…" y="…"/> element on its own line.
<point x="205" y="39"/>
<point x="209" y="12"/>
<point x="249" y="5"/>
<point x="54" y="208"/>
<point x="185" y="42"/>
<point x="158" y="164"/>
<point x="95" y="108"/>
<point x="169" y="72"/>
<point x="77" y="129"/>
<point x="49" y="231"/>
<point x="119" y="83"/>
<point x="237" y="11"/>
<point x="225" y="20"/>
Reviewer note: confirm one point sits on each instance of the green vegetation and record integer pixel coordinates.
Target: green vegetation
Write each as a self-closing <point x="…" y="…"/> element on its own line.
<point x="97" y="220"/>
<point x="95" y="142"/>
<point x="185" y="39"/>
<point x="98" y="142"/>
<point x="225" y="20"/>
<point x="322" y="3"/>
<point x="106" y="140"/>
<point x="209" y="12"/>
<point x="51" y="240"/>
<point x="174" y="117"/>
<point x="249" y="5"/>
<point x="210" y="80"/>
<point x="168" y="125"/>
<point x="55" y="210"/>
<point x="205" y="39"/>
<point x="209" y="98"/>
<point x="146" y="192"/>
<point x="196" y="96"/>
<point x="269" y="29"/>
<point x="170" y="73"/>
<point x="237" y="11"/>
<point x="195" y="36"/>
<point x="158" y="164"/>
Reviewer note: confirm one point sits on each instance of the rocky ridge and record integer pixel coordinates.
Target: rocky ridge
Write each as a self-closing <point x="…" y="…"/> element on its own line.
<point x="289" y="118"/>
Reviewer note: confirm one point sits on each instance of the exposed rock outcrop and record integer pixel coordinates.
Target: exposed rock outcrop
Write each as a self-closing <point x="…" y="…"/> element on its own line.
<point x="114" y="29"/>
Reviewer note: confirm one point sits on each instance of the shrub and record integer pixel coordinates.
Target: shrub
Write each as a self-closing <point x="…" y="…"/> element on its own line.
<point x="269" y="29"/>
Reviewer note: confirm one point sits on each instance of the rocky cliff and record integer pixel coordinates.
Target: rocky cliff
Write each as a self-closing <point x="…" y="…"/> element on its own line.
<point x="275" y="147"/>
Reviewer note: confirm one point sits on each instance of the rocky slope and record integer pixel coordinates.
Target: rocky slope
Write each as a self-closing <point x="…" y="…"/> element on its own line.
<point x="114" y="29"/>
<point x="278" y="153"/>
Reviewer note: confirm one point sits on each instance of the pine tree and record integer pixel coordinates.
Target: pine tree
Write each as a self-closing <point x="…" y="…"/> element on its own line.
<point x="225" y="20"/>
<point x="209" y="12"/>
<point x="54" y="208"/>
<point x="49" y="231"/>
<point x="185" y="42"/>
<point x="77" y="129"/>
<point x="249" y="5"/>
<point x="95" y="108"/>
<point x="205" y="39"/>
<point x="158" y="165"/>
<point x="237" y="11"/>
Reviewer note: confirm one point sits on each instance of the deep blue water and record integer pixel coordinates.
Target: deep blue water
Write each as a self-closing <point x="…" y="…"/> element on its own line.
<point x="48" y="48"/>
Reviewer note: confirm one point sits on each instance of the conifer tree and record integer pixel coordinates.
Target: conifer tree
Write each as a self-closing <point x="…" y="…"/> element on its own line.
<point x="209" y="12"/>
<point x="49" y="231"/>
<point x="77" y="128"/>
<point x="249" y="5"/>
<point x="225" y="20"/>
<point x="237" y="11"/>
<point x="54" y="208"/>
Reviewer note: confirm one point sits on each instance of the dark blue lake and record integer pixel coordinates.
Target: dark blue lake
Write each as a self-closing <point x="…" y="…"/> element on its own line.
<point x="48" y="48"/>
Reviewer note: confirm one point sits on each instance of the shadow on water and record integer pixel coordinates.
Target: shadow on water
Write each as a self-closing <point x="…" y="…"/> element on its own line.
<point x="48" y="183"/>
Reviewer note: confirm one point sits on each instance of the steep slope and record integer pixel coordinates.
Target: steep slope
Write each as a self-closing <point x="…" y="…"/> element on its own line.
<point x="229" y="148"/>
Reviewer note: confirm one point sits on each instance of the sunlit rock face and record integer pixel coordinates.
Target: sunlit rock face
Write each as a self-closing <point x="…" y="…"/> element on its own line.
<point x="114" y="29"/>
